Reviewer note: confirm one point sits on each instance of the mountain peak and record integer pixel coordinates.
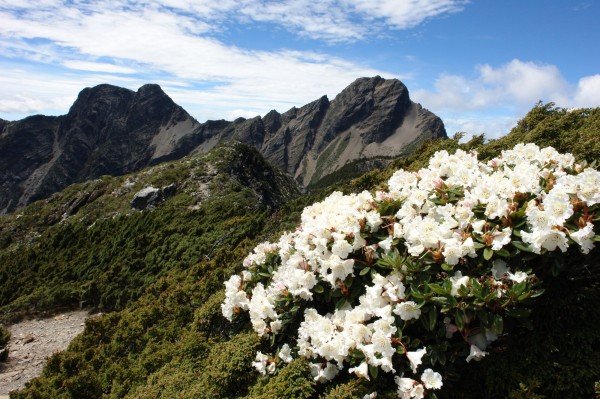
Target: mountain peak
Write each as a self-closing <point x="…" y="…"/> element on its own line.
<point x="151" y="88"/>
<point x="111" y="130"/>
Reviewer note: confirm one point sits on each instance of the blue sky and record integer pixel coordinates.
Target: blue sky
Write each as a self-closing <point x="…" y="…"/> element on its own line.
<point x="479" y="64"/>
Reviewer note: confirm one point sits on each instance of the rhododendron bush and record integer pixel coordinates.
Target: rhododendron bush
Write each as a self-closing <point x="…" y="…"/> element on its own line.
<point x="401" y="282"/>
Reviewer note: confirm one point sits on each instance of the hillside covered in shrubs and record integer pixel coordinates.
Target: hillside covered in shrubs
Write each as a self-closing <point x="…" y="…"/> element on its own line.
<point x="159" y="275"/>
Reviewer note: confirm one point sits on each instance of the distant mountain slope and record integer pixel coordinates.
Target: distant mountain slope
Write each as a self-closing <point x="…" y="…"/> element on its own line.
<point x="113" y="131"/>
<point x="108" y="131"/>
<point x="88" y="245"/>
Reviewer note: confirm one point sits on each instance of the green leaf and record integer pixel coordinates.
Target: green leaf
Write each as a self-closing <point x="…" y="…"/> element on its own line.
<point x="478" y="245"/>
<point x="524" y="296"/>
<point x="502" y="252"/>
<point x="437" y="289"/>
<point x="364" y="271"/>
<point x="442" y="358"/>
<point x="357" y="355"/>
<point x="498" y="324"/>
<point x="440" y="300"/>
<point x="488" y="253"/>
<point x="519" y="288"/>
<point x="373" y="371"/>
<point x="373" y="273"/>
<point x="537" y="293"/>
<point x="318" y="289"/>
<point x="432" y="318"/>
<point x="339" y="304"/>
<point x="447" y="268"/>
<point x="521" y="246"/>
<point x="459" y="318"/>
<point x="484" y="316"/>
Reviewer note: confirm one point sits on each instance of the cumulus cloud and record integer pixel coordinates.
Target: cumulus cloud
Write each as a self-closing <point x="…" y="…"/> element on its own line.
<point x="587" y="93"/>
<point x="514" y="88"/>
<point x="511" y="85"/>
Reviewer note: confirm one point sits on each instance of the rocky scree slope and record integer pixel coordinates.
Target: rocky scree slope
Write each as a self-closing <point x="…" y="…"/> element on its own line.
<point x="114" y="131"/>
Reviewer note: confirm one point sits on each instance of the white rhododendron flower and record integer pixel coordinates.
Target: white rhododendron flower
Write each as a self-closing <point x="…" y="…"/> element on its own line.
<point x="431" y="379"/>
<point x="323" y="372"/>
<point x="407" y="310"/>
<point x="363" y="272"/>
<point x="285" y="353"/>
<point x="458" y="280"/>
<point x="362" y="370"/>
<point x="261" y="363"/>
<point x="235" y="298"/>
<point x="584" y="237"/>
<point x="415" y="358"/>
<point x="475" y="353"/>
<point x="409" y="388"/>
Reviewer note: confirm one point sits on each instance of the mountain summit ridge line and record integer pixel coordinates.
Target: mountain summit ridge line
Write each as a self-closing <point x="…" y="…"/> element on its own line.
<point x="111" y="130"/>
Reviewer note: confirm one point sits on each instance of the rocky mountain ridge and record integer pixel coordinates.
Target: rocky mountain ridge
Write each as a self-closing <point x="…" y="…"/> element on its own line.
<point x="114" y="131"/>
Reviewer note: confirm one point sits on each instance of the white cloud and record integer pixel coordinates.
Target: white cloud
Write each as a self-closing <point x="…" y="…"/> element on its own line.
<point x="472" y="124"/>
<point x="21" y="104"/>
<point x="330" y="20"/>
<point x="32" y="91"/>
<point x="588" y="92"/>
<point x="347" y="20"/>
<point x="98" y="67"/>
<point x="167" y="47"/>
<point x="174" y="41"/>
<point x="511" y="86"/>
<point x="241" y="113"/>
<point x="497" y="97"/>
<point x="407" y="13"/>
<point x="524" y="82"/>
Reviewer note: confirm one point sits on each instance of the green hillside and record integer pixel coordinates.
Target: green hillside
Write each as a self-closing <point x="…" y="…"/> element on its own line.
<point x="158" y="274"/>
<point x="87" y="245"/>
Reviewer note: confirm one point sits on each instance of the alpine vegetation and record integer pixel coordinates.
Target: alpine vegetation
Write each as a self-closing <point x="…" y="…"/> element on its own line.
<point x="397" y="284"/>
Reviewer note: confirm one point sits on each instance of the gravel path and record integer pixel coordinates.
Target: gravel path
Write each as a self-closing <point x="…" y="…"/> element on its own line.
<point x="32" y="342"/>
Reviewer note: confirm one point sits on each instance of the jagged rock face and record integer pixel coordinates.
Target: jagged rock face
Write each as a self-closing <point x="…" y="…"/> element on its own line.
<point x="108" y="131"/>
<point x="113" y="131"/>
<point x="373" y="117"/>
<point x="25" y="148"/>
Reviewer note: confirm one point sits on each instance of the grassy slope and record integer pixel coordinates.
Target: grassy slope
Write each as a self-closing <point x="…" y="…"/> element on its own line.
<point x="172" y="341"/>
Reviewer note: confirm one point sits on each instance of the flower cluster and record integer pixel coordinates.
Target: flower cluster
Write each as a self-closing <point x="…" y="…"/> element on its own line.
<point x="450" y="242"/>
